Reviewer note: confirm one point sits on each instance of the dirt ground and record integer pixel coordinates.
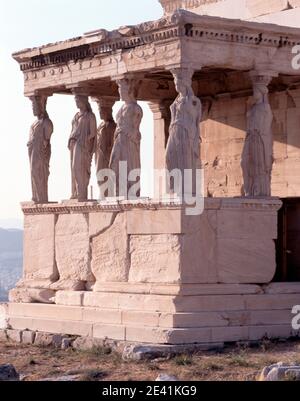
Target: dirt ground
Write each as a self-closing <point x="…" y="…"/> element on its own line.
<point x="239" y="363"/>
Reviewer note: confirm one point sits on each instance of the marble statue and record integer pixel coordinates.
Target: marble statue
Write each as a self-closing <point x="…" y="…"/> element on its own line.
<point x="82" y="146"/>
<point x="257" y="158"/>
<point x="39" y="149"/>
<point x="183" y="148"/>
<point x="127" y="136"/>
<point x="106" y="132"/>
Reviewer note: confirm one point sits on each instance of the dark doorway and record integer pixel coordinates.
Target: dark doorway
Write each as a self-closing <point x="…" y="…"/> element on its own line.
<point x="288" y="243"/>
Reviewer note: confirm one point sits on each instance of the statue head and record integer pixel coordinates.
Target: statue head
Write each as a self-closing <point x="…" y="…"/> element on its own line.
<point x="39" y="103"/>
<point x="105" y="113"/>
<point x="128" y="89"/>
<point x="105" y="106"/>
<point x="82" y="102"/>
<point x="183" y="81"/>
<point x="260" y="88"/>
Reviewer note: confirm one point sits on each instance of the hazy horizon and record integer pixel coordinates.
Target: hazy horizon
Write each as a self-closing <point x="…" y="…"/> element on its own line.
<point x="23" y="25"/>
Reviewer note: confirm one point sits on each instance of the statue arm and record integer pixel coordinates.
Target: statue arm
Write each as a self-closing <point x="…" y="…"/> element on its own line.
<point x="199" y="107"/>
<point x="93" y="133"/>
<point x="93" y="127"/>
<point x="198" y="139"/>
<point x="73" y="137"/>
<point x="136" y="122"/>
<point x="48" y="131"/>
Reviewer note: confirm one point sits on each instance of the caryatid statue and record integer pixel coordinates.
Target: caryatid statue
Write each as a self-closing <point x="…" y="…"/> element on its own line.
<point x="183" y="148"/>
<point x="127" y="135"/>
<point x="106" y="132"/>
<point x="257" y="158"/>
<point x="82" y="146"/>
<point x="39" y="149"/>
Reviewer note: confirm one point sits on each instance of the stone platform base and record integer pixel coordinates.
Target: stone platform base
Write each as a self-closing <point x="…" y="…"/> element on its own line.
<point x="195" y="314"/>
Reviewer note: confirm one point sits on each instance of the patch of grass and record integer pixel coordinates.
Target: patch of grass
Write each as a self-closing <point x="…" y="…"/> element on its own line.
<point x="266" y="345"/>
<point x="153" y="367"/>
<point x="54" y="373"/>
<point x="211" y="366"/>
<point x="266" y="361"/>
<point x="239" y="359"/>
<point x="183" y="360"/>
<point x="116" y="359"/>
<point x="92" y="376"/>
<point x="97" y="351"/>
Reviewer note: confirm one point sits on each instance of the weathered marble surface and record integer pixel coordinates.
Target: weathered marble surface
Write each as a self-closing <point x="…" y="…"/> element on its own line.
<point x="127" y="136"/>
<point x="155" y="259"/>
<point x="281" y="12"/>
<point x="39" y="265"/>
<point x="39" y="149"/>
<point x="91" y="245"/>
<point x="82" y="147"/>
<point x="105" y="137"/>
<point x="72" y="252"/>
<point x="257" y="157"/>
<point x="217" y="314"/>
<point x="110" y="253"/>
<point x="183" y="148"/>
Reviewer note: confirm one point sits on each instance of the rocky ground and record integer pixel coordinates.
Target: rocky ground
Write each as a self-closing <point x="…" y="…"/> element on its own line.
<point x="240" y="363"/>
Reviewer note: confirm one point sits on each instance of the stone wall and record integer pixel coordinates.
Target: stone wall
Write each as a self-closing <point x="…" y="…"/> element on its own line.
<point x="223" y="136"/>
<point x="195" y="314"/>
<point x="281" y="12"/>
<point x="83" y="247"/>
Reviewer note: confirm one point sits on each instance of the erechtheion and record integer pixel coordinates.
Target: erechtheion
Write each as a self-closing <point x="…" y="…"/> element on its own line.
<point x="222" y="81"/>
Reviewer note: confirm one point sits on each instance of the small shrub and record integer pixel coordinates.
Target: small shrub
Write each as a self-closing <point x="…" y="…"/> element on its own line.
<point x="183" y="360"/>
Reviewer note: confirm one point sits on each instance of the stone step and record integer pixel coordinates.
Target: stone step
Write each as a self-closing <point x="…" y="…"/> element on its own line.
<point x="52" y="326"/>
<point x="152" y="319"/>
<point x="182" y="289"/>
<point x="154" y="335"/>
<point x="173" y="304"/>
<point x="151" y="303"/>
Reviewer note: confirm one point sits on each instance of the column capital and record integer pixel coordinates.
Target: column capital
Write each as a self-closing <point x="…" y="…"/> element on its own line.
<point x="183" y="66"/>
<point x="78" y="89"/>
<point x="160" y="106"/>
<point x="263" y="76"/>
<point x="131" y="76"/>
<point x="105" y="101"/>
<point x="42" y="93"/>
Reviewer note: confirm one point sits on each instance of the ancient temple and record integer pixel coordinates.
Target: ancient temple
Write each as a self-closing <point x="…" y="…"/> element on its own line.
<point x="224" y="91"/>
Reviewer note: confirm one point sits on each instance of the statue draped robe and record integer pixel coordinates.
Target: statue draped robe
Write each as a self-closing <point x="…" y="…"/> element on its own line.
<point x="183" y="148"/>
<point x="127" y="139"/>
<point x="105" y="140"/>
<point x="84" y="132"/>
<point x="39" y="151"/>
<point x="257" y="158"/>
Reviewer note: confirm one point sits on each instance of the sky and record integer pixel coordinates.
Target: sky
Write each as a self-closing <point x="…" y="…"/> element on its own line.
<point x="30" y="23"/>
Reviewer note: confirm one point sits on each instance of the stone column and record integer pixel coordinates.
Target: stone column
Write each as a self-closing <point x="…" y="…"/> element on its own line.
<point x="105" y="138"/>
<point x="39" y="149"/>
<point x="82" y="145"/>
<point x="127" y="142"/>
<point x="183" y="148"/>
<point x="257" y="157"/>
<point x="162" y="119"/>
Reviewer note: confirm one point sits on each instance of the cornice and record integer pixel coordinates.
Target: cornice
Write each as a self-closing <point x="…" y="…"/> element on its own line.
<point x="71" y="207"/>
<point x="181" y="24"/>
